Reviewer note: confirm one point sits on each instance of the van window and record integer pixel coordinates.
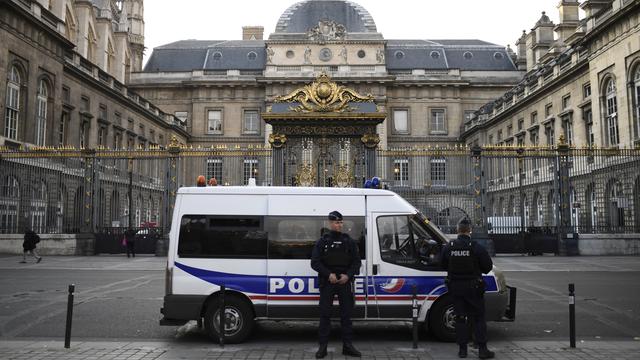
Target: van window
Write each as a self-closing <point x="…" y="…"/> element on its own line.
<point x="293" y="237"/>
<point x="205" y="236"/>
<point x="406" y="241"/>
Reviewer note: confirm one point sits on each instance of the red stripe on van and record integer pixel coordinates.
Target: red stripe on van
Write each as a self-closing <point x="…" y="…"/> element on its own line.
<point x="359" y="297"/>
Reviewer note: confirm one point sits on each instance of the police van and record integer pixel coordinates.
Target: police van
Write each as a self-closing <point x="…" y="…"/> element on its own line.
<point x="257" y="243"/>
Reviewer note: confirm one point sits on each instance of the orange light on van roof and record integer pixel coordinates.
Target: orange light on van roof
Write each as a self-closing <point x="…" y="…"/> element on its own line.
<point x="201" y="181"/>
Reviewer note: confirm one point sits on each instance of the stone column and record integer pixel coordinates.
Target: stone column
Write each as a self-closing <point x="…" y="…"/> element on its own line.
<point x="277" y="142"/>
<point x="87" y="204"/>
<point x="479" y="224"/>
<point x="564" y="220"/>
<point x="370" y="142"/>
<point x="169" y="196"/>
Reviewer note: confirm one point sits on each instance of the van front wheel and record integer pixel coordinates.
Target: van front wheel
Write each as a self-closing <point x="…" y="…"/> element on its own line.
<point x="442" y="321"/>
<point x="238" y="320"/>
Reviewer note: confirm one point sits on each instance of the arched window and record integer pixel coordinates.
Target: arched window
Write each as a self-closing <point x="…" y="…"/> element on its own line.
<point x="138" y="214"/>
<point x="12" y="112"/>
<point x="611" y="111"/>
<point x="617" y="205"/>
<point x="39" y="207"/>
<point x="9" y="205"/>
<point x="41" y="112"/>
<point x="636" y="94"/>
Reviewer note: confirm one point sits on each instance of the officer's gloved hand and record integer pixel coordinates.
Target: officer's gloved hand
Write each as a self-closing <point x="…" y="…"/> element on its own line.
<point x="343" y="279"/>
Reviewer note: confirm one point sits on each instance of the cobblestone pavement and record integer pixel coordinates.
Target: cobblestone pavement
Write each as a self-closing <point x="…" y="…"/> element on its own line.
<point x="32" y="350"/>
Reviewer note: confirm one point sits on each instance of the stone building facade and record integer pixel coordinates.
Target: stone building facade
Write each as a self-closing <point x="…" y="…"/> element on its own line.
<point x="583" y="85"/>
<point x="426" y="88"/>
<point x="65" y="65"/>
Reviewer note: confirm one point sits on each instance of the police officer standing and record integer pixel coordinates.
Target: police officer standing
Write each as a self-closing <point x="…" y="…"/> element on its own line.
<point x="335" y="257"/>
<point x="466" y="261"/>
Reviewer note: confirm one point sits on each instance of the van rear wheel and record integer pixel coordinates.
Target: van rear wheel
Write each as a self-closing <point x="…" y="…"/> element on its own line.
<point x="238" y="320"/>
<point x="442" y="321"/>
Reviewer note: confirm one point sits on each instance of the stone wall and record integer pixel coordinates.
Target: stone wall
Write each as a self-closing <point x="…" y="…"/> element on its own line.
<point x="609" y="244"/>
<point x="51" y="244"/>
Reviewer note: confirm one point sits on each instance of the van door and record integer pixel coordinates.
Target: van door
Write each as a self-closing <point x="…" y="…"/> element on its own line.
<point x="294" y="224"/>
<point x="404" y="254"/>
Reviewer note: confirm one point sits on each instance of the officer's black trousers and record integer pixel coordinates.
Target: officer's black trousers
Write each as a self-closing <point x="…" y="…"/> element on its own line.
<point x="468" y="303"/>
<point x="345" y="298"/>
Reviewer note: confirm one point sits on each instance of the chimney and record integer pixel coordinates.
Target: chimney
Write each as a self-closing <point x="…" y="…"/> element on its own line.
<point x="569" y="20"/>
<point x="521" y="48"/>
<point x="252" y="32"/>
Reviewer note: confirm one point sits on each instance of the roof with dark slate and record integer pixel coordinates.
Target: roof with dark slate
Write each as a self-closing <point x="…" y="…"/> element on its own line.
<point x="463" y="54"/>
<point x="304" y="15"/>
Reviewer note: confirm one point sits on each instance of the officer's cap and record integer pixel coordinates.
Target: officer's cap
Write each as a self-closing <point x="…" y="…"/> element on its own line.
<point x="335" y="216"/>
<point x="464" y="222"/>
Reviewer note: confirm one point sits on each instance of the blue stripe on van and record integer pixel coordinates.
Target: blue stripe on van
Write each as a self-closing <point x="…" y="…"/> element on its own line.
<point x="384" y="285"/>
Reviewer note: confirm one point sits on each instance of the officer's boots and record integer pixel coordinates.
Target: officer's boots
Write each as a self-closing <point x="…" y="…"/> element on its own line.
<point x="484" y="353"/>
<point x="322" y="351"/>
<point x="462" y="351"/>
<point x="349" y="350"/>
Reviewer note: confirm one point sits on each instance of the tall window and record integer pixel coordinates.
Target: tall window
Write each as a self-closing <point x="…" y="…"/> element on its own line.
<point x="41" y="113"/>
<point x="214" y="123"/>
<point x="437" y="124"/>
<point x="567" y="127"/>
<point x="401" y="171"/>
<point x="214" y="169"/>
<point x="588" y="119"/>
<point x="611" y="108"/>
<point x="39" y="207"/>
<point x="438" y="171"/>
<point x="636" y="86"/>
<point x="62" y="128"/>
<point x="401" y="121"/>
<point x="251" y="122"/>
<point x="551" y="133"/>
<point x="250" y="170"/>
<point x="9" y="204"/>
<point x="534" y="117"/>
<point x="12" y="112"/>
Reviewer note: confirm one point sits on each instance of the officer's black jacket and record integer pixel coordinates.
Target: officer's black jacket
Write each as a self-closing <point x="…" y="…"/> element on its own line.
<point x="322" y="269"/>
<point x="484" y="260"/>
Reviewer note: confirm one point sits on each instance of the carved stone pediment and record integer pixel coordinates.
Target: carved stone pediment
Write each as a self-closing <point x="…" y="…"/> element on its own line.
<point x="327" y="30"/>
<point x="323" y="95"/>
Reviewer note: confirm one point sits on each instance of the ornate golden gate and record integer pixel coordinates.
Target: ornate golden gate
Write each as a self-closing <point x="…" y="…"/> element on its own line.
<point x="324" y="134"/>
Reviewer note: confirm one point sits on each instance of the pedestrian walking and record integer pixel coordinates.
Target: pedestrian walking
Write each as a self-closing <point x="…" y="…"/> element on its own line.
<point x="29" y="246"/>
<point x="465" y="261"/>
<point x="130" y="240"/>
<point x="336" y="259"/>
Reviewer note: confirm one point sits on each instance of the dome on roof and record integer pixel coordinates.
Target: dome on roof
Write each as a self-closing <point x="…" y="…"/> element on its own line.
<point x="305" y="15"/>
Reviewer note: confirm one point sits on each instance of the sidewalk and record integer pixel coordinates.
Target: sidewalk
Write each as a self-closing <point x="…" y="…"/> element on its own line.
<point x="23" y="350"/>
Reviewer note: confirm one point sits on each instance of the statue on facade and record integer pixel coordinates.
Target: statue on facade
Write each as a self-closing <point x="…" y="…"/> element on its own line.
<point x="380" y="56"/>
<point x="270" y="54"/>
<point x="343" y="54"/>
<point x="307" y="55"/>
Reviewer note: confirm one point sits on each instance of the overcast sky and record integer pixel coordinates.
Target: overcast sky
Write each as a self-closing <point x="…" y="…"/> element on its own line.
<point x="497" y="21"/>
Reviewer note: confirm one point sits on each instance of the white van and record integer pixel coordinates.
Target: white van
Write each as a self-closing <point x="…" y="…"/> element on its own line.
<point x="257" y="242"/>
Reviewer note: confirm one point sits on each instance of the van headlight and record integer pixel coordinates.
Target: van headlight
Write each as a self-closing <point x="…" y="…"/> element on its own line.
<point x="502" y="282"/>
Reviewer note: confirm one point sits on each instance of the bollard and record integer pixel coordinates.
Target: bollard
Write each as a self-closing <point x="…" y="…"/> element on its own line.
<point x="572" y="316"/>
<point x="67" y="331"/>
<point x="222" y="316"/>
<point x="414" y="315"/>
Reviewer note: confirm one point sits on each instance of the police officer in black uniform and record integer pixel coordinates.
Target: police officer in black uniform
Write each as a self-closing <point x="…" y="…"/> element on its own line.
<point x="335" y="257"/>
<point x="466" y="261"/>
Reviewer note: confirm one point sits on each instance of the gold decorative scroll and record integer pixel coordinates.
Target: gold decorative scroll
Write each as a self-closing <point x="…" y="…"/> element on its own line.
<point x="343" y="176"/>
<point x="277" y="140"/>
<point x="323" y="95"/>
<point x="305" y="177"/>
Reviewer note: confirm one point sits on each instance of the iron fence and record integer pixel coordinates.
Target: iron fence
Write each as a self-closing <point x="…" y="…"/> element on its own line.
<point x="506" y="190"/>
